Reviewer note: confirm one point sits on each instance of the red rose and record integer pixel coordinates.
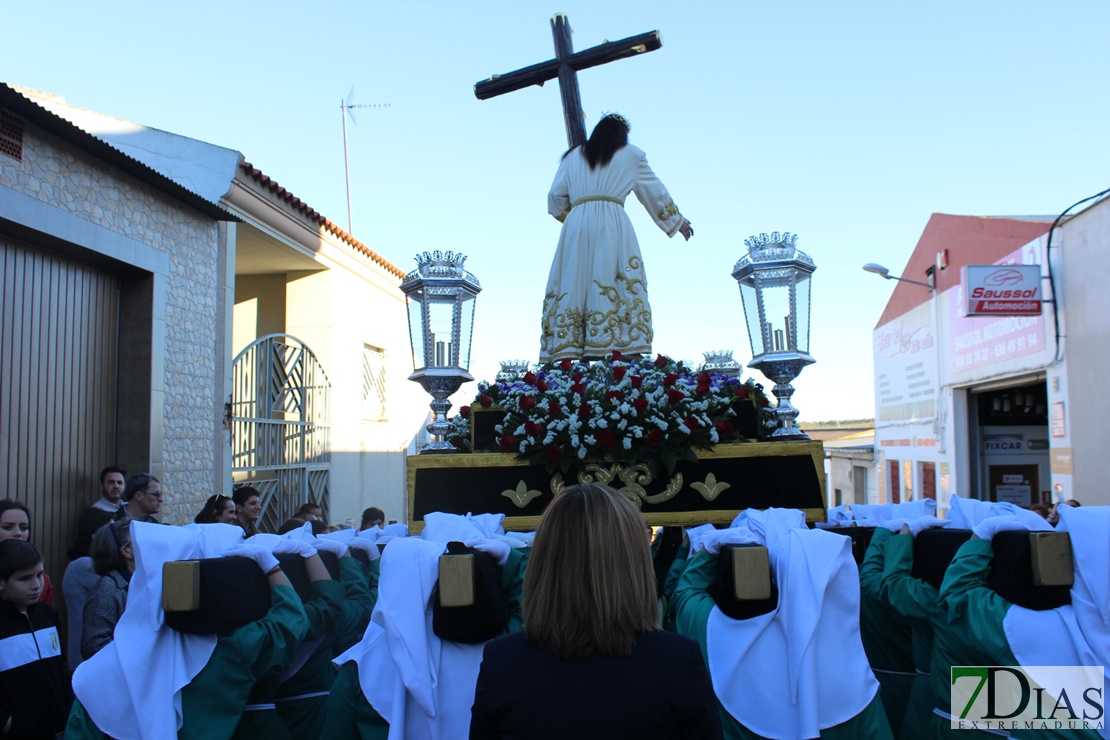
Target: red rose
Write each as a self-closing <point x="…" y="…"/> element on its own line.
<point x="464" y="412"/>
<point x="566" y="364"/>
<point x="618" y="373"/>
<point x="725" y="428"/>
<point x="661" y="361"/>
<point x="532" y="429"/>
<point x="553" y="453"/>
<point x="701" y="390"/>
<point x="584" y="411"/>
<point x="670" y="379"/>
<point x="613" y="395"/>
<point x="577" y="377"/>
<point x="578" y="388"/>
<point x="605" y="438"/>
<point x="640" y="404"/>
<point x="742" y="392"/>
<point x="637" y="381"/>
<point x="692" y="423"/>
<point x="530" y="378"/>
<point x="458" y="443"/>
<point x="485" y="400"/>
<point x="764" y="402"/>
<point x="704" y="378"/>
<point x="674" y="396"/>
<point x="554" y="409"/>
<point x="616" y="356"/>
<point x="655" y="438"/>
<point x="541" y="385"/>
<point x="508" y="444"/>
<point x="527" y="402"/>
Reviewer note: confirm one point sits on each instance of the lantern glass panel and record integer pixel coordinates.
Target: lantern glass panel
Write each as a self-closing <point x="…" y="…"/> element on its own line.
<point x="466" y="328"/>
<point x="416" y="329"/>
<point x="441" y="315"/>
<point x="802" y="303"/>
<point x="775" y="287"/>
<point x="751" y="313"/>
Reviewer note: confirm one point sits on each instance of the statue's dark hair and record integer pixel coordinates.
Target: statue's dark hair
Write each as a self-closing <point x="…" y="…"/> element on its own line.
<point x="608" y="137"/>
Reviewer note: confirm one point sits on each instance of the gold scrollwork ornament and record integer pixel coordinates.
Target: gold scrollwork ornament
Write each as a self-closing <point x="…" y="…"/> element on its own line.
<point x="634" y="477"/>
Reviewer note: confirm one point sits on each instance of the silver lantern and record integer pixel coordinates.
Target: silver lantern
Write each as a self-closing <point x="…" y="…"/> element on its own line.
<point x="441" y="323"/>
<point x="774" y="279"/>
<point x="721" y="362"/>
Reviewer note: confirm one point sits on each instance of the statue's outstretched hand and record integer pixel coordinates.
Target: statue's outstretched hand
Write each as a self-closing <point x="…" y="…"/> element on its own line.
<point x="687" y="229"/>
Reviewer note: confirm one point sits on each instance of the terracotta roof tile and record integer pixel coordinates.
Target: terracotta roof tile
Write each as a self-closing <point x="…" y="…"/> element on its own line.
<point x="314" y="215"/>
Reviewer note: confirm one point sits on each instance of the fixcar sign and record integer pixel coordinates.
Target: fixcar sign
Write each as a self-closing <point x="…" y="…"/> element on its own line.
<point x="1002" y="290"/>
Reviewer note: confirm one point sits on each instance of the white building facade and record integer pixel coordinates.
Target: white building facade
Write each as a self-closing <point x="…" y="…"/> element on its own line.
<point x="983" y="406"/>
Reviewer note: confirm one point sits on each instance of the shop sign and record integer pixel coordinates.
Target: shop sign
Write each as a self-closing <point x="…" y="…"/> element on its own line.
<point x="1002" y="290"/>
<point x="1004" y="443"/>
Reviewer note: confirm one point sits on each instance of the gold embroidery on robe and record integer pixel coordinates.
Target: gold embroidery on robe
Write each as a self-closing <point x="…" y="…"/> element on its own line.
<point x="668" y="211"/>
<point x="625" y="324"/>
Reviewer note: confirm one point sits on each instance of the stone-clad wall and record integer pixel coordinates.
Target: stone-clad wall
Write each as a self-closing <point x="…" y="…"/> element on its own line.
<point x="66" y="178"/>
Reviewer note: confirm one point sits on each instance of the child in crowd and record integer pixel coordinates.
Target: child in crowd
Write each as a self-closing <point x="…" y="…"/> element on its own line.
<point x="34" y="684"/>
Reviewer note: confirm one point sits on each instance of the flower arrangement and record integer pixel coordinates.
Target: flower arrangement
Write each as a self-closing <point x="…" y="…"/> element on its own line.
<point x="639" y="410"/>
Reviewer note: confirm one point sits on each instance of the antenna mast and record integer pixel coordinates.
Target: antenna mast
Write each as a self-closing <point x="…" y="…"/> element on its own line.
<point x="345" y="109"/>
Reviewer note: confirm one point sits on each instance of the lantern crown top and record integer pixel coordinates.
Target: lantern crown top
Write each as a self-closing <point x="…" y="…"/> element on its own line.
<point x="441" y="266"/>
<point x="776" y="247"/>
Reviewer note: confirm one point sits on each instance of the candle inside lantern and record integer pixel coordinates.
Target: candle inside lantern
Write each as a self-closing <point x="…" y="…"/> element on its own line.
<point x="778" y="340"/>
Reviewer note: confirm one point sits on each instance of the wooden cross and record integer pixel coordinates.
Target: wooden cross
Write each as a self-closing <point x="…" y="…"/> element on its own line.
<point x="565" y="66"/>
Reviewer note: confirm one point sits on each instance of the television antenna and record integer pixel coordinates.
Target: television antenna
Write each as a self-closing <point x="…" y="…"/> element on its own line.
<point x="345" y="108"/>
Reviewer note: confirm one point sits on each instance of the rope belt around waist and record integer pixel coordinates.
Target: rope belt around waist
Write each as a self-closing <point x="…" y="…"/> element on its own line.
<point x="989" y="730"/>
<point x="298" y="697"/>
<point x="591" y="198"/>
<point x="259" y="707"/>
<point x="892" y="673"/>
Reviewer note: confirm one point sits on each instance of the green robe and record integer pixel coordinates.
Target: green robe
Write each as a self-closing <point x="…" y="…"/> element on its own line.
<point x="693" y="605"/>
<point x="976" y="614"/>
<point x="211" y="704"/>
<point x="918" y="600"/>
<point x="266" y="724"/>
<point x="304" y="716"/>
<point x="349" y="715"/>
<point x="886" y="637"/>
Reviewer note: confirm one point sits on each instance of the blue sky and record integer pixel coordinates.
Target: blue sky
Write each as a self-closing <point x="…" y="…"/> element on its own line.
<point x="846" y="123"/>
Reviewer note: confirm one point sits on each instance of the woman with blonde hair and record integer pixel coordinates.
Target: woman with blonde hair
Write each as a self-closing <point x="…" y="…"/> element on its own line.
<point x="583" y="666"/>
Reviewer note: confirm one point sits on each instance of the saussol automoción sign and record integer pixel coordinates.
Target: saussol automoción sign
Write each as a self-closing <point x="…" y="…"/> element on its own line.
<point x="1002" y="290"/>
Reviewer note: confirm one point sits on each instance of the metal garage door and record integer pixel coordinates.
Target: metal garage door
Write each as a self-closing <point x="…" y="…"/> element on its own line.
<point x="58" y="329"/>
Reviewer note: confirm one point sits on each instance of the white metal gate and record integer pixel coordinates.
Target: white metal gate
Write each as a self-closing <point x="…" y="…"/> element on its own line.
<point x="280" y="431"/>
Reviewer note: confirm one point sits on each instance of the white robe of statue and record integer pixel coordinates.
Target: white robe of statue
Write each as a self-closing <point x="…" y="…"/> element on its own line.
<point x="596" y="299"/>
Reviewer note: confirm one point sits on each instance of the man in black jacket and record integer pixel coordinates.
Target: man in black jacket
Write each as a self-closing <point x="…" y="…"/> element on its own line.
<point x="34" y="685"/>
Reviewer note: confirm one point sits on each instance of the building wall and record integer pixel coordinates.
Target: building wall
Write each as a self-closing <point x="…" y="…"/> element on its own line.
<point x="69" y="195"/>
<point x="1084" y="243"/>
<point x="339" y="312"/>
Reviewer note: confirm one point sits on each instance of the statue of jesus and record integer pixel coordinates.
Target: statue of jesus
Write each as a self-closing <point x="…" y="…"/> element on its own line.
<point x="596" y="300"/>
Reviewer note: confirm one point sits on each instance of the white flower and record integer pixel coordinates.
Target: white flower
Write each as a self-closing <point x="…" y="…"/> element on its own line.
<point x="601" y="423"/>
<point x="551" y="438"/>
<point x="523" y="447"/>
<point x="622" y="425"/>
<point x="590" y="440"/>
<point x="627" y="443"/>
<point x="684" y="429"/>
<point x="581" y="453"/>
<point x="713" y="436"/>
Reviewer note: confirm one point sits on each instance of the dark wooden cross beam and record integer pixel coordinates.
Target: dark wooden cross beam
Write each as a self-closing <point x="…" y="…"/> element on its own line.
<point x="565" y="66"/>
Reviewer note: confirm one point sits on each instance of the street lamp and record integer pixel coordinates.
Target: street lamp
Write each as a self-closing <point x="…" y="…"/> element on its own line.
<point x="883" y="272"/>
<point x="775" y="282"/>
<point x="441" y="322"/>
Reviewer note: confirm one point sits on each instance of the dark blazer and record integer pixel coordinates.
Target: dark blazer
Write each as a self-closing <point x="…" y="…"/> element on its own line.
<point x="661" y="690"/>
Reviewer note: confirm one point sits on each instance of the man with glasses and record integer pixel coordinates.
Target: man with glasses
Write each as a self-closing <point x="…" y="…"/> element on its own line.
<point x="143" y="495"/>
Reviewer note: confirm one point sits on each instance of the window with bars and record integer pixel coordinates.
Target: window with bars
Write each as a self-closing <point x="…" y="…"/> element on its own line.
<point x="373" y="383"/>
<point x="11" y="136"/>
